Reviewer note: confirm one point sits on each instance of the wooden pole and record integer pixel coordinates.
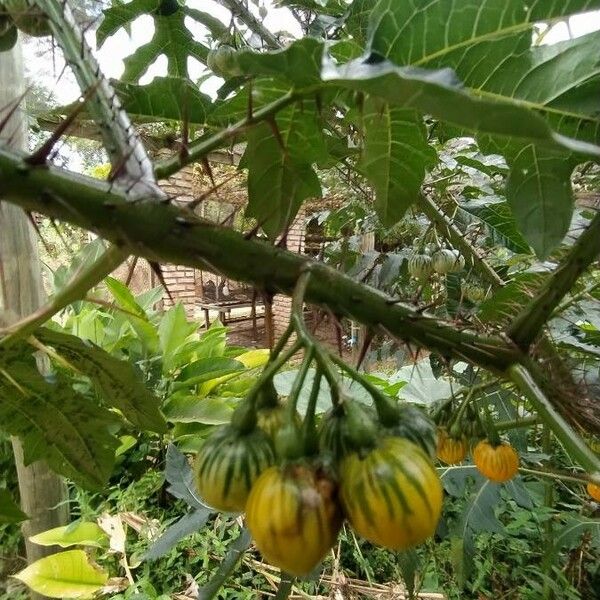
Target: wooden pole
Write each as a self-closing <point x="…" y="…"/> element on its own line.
<point x="43" y="493"/>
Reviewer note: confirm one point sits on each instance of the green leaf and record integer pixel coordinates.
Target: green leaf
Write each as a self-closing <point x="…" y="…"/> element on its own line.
<point x="188" y="524"/>
<point x="9" y="511"/>
<point x="179" y="475"/>
<point x="173" y="331"/>
<point x="299" y="63"/>
<point x="171" y="36"/>
<point x="117" y="380"/>
<point x="205" y="369"/>
<point x="478" y="514"/>
<point x="164" y="98"/>
<point x="500" y="222"/>
<point x="80" y="533"/>
<point x="64" y="575"/>
<point x="277" y="184"/>
<point x="491" y="51"/>
<point x="192" y="409"/>
<point x="540" y="197"/>
<point x="395" y="156"/>
<point x="509" y="300"/>
<point x="441" y="94"/>
<point x="58" y="425"/>
<point x="570" y="535"/>
<point x="135" y="314"/>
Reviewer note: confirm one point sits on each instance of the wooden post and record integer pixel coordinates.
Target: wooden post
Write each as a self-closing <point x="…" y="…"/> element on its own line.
<point x="43" y="493"/>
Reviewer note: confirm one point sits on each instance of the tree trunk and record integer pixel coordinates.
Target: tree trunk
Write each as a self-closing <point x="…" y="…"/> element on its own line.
<point x="43" y="493"/>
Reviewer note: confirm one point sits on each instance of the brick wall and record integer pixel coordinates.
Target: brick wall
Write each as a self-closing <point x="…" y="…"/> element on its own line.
<point x="182" y="282"/>
<point x="282" y="305"/>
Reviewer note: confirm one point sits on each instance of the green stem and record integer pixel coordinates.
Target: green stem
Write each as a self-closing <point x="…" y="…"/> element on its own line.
<point x="516" y="423"/>
<point x="228" y="564"/>
<point x="281" y="343"/>
<point x="387" y="409"/>
<point x="575" y="298"/>
<point x="528" y="324"/>
<point x="309" y="424"/>
<point x="285" y="587"/>
<point x="202" y="147"/>
<point x="165" y="233"/>
<point x="119" y="136"/>
<point x="572" y="443"/>
<point x="557" y="475"/>
<point x="292" y="402"/>
<point x="244" y="416"/>
<point x="490" y="427"/>
<point x="75" y="289"/>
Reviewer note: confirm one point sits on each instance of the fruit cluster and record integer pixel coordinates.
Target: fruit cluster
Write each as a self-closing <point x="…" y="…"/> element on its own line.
<point x="433" y="259"/>
<point x="297" y="480"/>
<point x="461" y="429"/>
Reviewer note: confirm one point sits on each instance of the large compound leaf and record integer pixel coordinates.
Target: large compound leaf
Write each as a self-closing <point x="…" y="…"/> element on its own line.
<point x="279" y="177"/>
<point x="500" y="222"/>
<point x="395" y="156"/>
<point x="117" y="380"/>
<point x="57" y="424"/>
<point x="171" y="37"/>
<point x="64" y="575"/>
<point x="164" y="98"/>
<point x="489" y="46"/>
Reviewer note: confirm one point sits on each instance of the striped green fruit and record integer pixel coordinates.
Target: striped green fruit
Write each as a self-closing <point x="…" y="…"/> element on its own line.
<point x="420" y="266"/>
<point x="228" y="464"/>
<point x="416" y="427"/>
<point x="392" y="495"/>
<point x="272" y="418"/>
<point x="294" y="516"/>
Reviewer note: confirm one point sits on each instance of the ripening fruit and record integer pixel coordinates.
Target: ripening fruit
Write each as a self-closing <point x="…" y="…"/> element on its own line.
<point x="391" y="495"/>
<point x="450" y="450"/>
<point x="498" y="463"/>
<point x="294" y="517"/>
<point x="447" y="261"/>
<point x="420" y="266"/>
<point x="228" y="464"/>
<point x="594" y="491"/>
<point x="271" y="419"/>
<point x="30" y="19"/>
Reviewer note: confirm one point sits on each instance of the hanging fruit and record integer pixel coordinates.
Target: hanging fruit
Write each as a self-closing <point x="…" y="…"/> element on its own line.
<point x="473" y="292"/>
<point x="391" y="494"/>
<point x="498" y="463"/>
<point x="294" y="517"/>
<point x="447" y="261"/>
<point x="223" y="61"/>
<point x="420" y="266"/>
<point x="450" y="450"/>
<point x="228" y="464"/>
<point x="594" y="491"/>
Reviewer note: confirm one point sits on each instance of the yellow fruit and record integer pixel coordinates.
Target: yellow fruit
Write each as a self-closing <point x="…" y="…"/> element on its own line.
<point x="294" y="517"/>
<point x="594" y="491"/>
<point x="451" y="451"/>
<point x="392" y="495"/>
<point x="497" y="463"/>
